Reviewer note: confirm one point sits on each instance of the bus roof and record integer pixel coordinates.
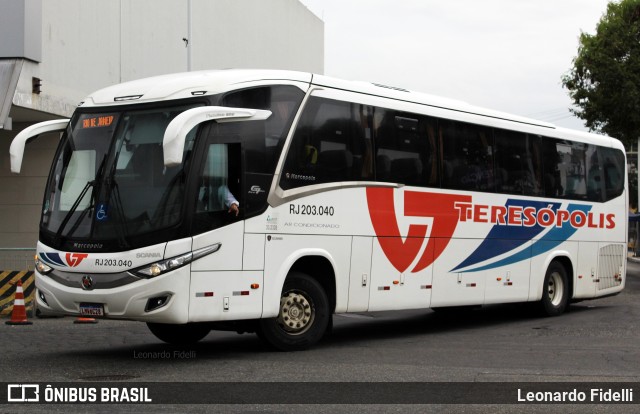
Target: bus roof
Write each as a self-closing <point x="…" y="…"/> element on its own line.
<point x="186" y="85"/>
<point x="405" y="95"/>
<point x="210" y="82"/>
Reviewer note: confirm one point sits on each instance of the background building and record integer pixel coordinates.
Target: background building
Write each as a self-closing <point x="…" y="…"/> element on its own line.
<point x="54" y="53"/>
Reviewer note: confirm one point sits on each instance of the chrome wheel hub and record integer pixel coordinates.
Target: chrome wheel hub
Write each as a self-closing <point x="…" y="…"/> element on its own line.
<point x="296" y="313"/>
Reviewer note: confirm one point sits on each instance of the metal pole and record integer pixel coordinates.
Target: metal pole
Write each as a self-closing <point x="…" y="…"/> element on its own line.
<point x="189" y="36"/>
<point x="636" y="247"/>
<point x="120" y="51"/>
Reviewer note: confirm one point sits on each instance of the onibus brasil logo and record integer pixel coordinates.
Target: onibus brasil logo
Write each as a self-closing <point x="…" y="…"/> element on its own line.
<point x="514" y="225"/>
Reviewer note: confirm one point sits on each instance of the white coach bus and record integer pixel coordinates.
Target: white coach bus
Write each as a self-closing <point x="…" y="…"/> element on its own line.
<point x="267" y="201"/>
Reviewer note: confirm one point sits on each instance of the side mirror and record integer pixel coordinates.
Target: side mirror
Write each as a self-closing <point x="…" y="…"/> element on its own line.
<point x="177" y="130"/>
<point x="16" y="150"/>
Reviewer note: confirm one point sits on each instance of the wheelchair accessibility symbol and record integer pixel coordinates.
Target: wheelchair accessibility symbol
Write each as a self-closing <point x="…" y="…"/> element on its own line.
<point x="101" y="212"/>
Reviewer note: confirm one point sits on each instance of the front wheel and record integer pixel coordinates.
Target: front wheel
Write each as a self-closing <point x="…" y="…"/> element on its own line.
<point x="555" y="294"/>
<point x="303" y="316"/>
<point x="185" y="334"/>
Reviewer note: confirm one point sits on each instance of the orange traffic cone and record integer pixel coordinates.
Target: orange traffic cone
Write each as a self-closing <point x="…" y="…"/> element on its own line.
<point x="19" y="312"/>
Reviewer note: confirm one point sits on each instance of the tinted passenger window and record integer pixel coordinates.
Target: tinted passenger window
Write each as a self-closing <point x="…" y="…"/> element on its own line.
<point x="613" y="162"/>
<point x="262" y="151"/>
<point x="572" y="170"/>
<point x="405" y="148"/>
<point x="467" y="156"/>
<point x="332" y="143"/>
<point x="518" y="163"/>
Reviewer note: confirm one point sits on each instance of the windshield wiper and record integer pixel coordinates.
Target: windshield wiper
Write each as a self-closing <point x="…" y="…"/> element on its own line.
<point x="114" y="194"/>
<point x="73" y="209"/>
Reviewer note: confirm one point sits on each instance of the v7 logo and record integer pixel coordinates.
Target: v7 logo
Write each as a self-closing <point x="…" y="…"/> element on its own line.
<point x="74" y="259"/>
<point x="416" y="204"/>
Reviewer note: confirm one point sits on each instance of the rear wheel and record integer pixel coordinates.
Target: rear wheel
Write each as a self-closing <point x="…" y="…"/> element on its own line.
<point x="184" y="334"/>
<point x="555" y="294"/>
<point x="303" y="317"/>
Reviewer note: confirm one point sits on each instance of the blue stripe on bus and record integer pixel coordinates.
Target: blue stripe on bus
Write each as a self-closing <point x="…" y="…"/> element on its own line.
<point x="52" y="258"/>
<point x="502" y="238"/>
<point x="553" y="238"/>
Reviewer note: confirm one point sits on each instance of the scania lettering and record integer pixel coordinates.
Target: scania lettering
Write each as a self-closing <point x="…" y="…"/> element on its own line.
<point x="268" y="201"/>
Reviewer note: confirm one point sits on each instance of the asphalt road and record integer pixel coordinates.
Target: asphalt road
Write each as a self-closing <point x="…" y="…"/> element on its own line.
<point x="596" y="341"/>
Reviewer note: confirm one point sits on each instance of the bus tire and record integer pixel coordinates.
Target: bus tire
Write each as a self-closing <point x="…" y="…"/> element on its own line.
<point x="555" y="293"/>
<point x="185" y="334"/>
<point x="303" y="316"/>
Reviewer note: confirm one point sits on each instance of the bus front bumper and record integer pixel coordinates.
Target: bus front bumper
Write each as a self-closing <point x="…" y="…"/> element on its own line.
<point x="162" y="299"/>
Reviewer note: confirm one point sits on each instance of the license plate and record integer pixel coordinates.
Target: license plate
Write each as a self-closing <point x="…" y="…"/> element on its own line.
<point x="92" y="309"/>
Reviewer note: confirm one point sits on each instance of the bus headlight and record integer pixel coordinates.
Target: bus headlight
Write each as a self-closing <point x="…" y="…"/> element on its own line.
<point x="42" y="267"/>
<point x="167" y="265"/>
<point x="158" y="268"/>
<point x="155" y="269"/>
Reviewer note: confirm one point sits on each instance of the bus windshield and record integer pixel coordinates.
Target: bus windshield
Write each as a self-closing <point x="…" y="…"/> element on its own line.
<point x="109" y="181"/>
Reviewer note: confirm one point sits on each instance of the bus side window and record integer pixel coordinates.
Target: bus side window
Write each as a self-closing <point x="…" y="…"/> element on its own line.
<point x="613" y="168"/>
<point x="518" y="167"/>
<point x="331" y="144"/>
<point x="405" y="148"/>
<point x="467" y="156"/>
<point x="263" y="150"/>
<point x="571" y="165"/>
<point x="551" y="160"/>
<point x="595" y="183"/>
